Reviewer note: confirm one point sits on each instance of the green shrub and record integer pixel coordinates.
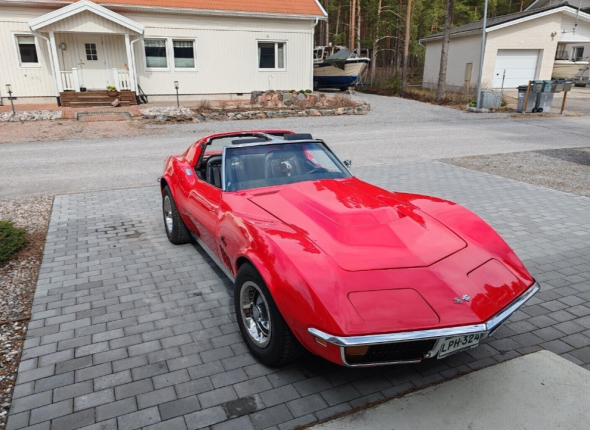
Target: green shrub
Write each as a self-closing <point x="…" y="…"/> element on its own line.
<point x="12" y="240"/>
<point x="504" y="102"/>
<point x="308" y="91"/>
<point x="472" y="103"/>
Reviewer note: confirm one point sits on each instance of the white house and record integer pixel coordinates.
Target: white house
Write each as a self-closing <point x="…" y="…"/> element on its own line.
<point x="216" y="48"/>
<point x="543" y="42"/>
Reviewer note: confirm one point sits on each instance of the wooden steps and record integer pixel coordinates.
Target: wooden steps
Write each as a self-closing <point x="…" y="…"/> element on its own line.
<point x="96" y="98"/>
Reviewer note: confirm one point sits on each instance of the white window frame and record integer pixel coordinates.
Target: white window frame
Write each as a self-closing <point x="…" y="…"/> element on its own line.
<point x="166" y="45"/>
<point x="574" y="50"/>
<point x="173" y="64"/>
<point x="22" y="65"/>
<point x="276" y="68"/>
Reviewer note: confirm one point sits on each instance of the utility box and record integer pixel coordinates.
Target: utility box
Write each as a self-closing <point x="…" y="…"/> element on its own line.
<point x="567" y="86"/>
<point x="538" y="86"/>
<point x="491" y="100"/>
<point x="547" y="86"/>
<point x="557" y="86"/>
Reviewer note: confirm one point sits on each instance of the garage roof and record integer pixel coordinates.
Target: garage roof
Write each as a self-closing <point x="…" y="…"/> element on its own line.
<point x="504" y="20"/>
<point x="311" y="8"/>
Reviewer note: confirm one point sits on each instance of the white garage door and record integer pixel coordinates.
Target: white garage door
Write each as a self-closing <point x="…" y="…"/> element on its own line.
<point x="520" y="66"/>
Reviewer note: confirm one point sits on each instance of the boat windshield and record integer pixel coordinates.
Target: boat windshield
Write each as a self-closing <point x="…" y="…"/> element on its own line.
<point x="279" y="164"/>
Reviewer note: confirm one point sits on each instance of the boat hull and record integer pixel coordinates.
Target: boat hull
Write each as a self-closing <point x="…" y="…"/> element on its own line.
<point x="328" y="76"/>
<point x="567" y="69"/>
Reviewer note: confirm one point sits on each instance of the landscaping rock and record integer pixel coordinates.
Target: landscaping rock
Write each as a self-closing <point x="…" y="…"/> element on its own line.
<point x="30" y="116"/>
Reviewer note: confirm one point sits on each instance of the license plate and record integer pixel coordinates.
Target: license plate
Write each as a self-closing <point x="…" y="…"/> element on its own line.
<point x="453" y="345"/>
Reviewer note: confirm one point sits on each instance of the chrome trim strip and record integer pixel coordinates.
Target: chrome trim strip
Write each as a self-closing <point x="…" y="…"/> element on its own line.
<point x="213" y="257"/>
<point x="492" y="324"/>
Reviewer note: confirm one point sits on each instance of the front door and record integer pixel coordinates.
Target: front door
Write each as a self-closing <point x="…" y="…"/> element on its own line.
<point x="92" y="62"/>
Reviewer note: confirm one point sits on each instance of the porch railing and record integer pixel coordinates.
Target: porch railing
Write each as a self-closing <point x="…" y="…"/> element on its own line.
<point x="122" y="79"/>
<point x="69" y="80"/>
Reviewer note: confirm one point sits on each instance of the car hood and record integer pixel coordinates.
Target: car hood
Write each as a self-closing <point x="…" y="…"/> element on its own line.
<point x="358" y="231"/>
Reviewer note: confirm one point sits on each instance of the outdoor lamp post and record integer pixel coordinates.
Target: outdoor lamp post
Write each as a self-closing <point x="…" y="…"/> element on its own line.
<point x="9" y="91"/>
<point x="176" y="86"/>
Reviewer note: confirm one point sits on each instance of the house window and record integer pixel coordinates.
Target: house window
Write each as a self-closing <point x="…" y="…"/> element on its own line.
<point x="91" y="54"/>
<point x="27" y="49"/>
<point x="184" y="54"/>
<point x="577" y="53"/>
<point x="271" y="55"/>
<point x="155" y="53"/>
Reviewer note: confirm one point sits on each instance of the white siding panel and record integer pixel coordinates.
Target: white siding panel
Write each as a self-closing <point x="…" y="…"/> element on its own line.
<point x="227" y="62"/>
<point x="86" y="22"/>
<point x="570" y="32"/>
<point x="25" y="81"/>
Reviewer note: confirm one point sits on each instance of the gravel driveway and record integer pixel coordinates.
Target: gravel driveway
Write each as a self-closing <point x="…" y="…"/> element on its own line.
<point x="395" y="130"/>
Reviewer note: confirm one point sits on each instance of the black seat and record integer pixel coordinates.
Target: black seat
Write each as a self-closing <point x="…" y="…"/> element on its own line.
<point x="236" y="173"/>
<point x="213" y="171"/>
<point x="297" y="136"/>
<point x="282" y="163"/>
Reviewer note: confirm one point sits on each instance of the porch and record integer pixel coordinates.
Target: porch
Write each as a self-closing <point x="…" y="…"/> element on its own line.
<point x="91" y="51"/>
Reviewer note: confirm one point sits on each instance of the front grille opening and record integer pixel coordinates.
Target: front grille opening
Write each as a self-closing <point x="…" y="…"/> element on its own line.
<point x="389" y="352"/>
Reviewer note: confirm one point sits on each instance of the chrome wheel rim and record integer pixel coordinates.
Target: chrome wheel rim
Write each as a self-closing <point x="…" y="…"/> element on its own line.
<point x="168" y="214"/>
<point x="255" y="314"/>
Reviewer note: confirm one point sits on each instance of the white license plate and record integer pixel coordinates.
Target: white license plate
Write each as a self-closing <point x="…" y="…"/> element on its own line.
<point x="452" y="345"/>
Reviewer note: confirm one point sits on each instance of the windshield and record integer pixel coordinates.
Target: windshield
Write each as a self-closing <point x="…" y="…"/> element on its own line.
<point x="267" y="165"/>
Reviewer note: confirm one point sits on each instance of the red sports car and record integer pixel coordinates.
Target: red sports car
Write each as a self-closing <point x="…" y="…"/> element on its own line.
<point x="322" y="260"/>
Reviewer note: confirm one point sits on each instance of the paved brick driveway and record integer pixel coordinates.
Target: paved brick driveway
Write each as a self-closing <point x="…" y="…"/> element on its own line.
<point x="130" y="331"/>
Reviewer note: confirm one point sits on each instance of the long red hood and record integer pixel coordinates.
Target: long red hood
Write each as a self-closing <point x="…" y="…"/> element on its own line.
<point x="358" y="231"/>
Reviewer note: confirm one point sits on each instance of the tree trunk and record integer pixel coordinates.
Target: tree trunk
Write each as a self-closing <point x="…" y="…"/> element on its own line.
<point x="358" y="29"/>
<point x="444" y="54"/>
<point x="338" y="19"/>
<point x="327" y="39"/>
<point x="376" y="43"/>
<point x="352" y="25"/>
<point x="397" y="37"/>
<point x="406" y="47"/>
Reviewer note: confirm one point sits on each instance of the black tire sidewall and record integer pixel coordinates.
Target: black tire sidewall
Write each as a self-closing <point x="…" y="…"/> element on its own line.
<point x="273" y="352"/>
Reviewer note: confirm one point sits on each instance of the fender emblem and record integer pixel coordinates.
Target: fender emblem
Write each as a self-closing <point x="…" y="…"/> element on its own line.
<point x="465" y="298"/>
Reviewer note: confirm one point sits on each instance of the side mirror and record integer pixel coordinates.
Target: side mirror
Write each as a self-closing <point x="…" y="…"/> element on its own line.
<point x="348" y="163"/>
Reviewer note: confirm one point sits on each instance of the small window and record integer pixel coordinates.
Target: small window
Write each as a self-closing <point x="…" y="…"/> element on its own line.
<point x="577" y="53"/>
<point x="27" y="49"/>
<point x="271" y="55"/>
<point x="184" y="54"/>
<point x="155" y="53"/>
<point x="91" y="54"/>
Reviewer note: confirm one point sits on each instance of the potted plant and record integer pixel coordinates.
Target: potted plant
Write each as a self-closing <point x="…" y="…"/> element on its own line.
<point x="82" y="89"/>
<point x="112" y="91"/>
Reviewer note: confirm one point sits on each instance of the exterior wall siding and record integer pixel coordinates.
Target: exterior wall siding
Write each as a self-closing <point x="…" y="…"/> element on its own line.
<point x="226" y="51"/>
<point x="567" y="34"/>
<point x="462" y="50"/>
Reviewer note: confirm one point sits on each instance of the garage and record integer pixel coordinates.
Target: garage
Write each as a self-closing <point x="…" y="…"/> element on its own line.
<point x="520" y="66"/>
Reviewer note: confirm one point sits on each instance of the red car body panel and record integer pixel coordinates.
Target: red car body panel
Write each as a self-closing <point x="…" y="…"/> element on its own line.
<point x="336" y="253"/>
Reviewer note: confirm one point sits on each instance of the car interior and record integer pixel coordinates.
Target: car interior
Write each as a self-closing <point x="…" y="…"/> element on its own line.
<point x="271" y="166"/>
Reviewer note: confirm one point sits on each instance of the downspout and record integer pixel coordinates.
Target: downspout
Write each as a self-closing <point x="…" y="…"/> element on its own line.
<point x="312" y="49"/>
<point x="50" y="61"/>
<point x="134" y="64"/>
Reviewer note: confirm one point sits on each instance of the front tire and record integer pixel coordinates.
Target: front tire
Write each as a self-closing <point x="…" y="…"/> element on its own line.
<point x="264" y="330"/>
<point x="176" y="231"/>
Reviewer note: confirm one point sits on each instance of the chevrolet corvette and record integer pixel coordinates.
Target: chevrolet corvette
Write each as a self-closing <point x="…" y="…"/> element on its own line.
<point x="325" y="262"/>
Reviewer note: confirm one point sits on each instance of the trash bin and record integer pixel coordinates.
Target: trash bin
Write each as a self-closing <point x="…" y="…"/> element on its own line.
<point x="521" y="96"/>
<point x="543" y="102"/>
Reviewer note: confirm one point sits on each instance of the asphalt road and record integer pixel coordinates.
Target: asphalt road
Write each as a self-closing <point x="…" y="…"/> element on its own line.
<point x="396" y="130"/>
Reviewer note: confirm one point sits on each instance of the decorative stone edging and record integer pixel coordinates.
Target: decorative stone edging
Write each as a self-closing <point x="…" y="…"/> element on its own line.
<point x="37" y="115"/>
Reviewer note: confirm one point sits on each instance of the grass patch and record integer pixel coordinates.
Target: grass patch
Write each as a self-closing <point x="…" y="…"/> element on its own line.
<point x="12" y="240"/>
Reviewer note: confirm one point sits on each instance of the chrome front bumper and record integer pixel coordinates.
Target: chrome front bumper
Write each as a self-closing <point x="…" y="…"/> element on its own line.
<point x="488" y="328"/>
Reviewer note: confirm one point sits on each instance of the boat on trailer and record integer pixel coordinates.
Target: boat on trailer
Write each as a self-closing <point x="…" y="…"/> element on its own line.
<point x="337" y="67"/>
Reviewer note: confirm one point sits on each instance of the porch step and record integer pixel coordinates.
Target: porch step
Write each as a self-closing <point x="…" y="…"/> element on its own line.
<point x="96" y="98"/>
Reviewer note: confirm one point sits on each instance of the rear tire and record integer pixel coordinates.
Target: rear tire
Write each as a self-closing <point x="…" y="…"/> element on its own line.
<point x="264" y="330"/>
<point x="175" y="228"/>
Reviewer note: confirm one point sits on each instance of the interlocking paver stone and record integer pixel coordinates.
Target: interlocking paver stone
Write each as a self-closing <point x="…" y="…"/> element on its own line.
<point x="140" y="314"/>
